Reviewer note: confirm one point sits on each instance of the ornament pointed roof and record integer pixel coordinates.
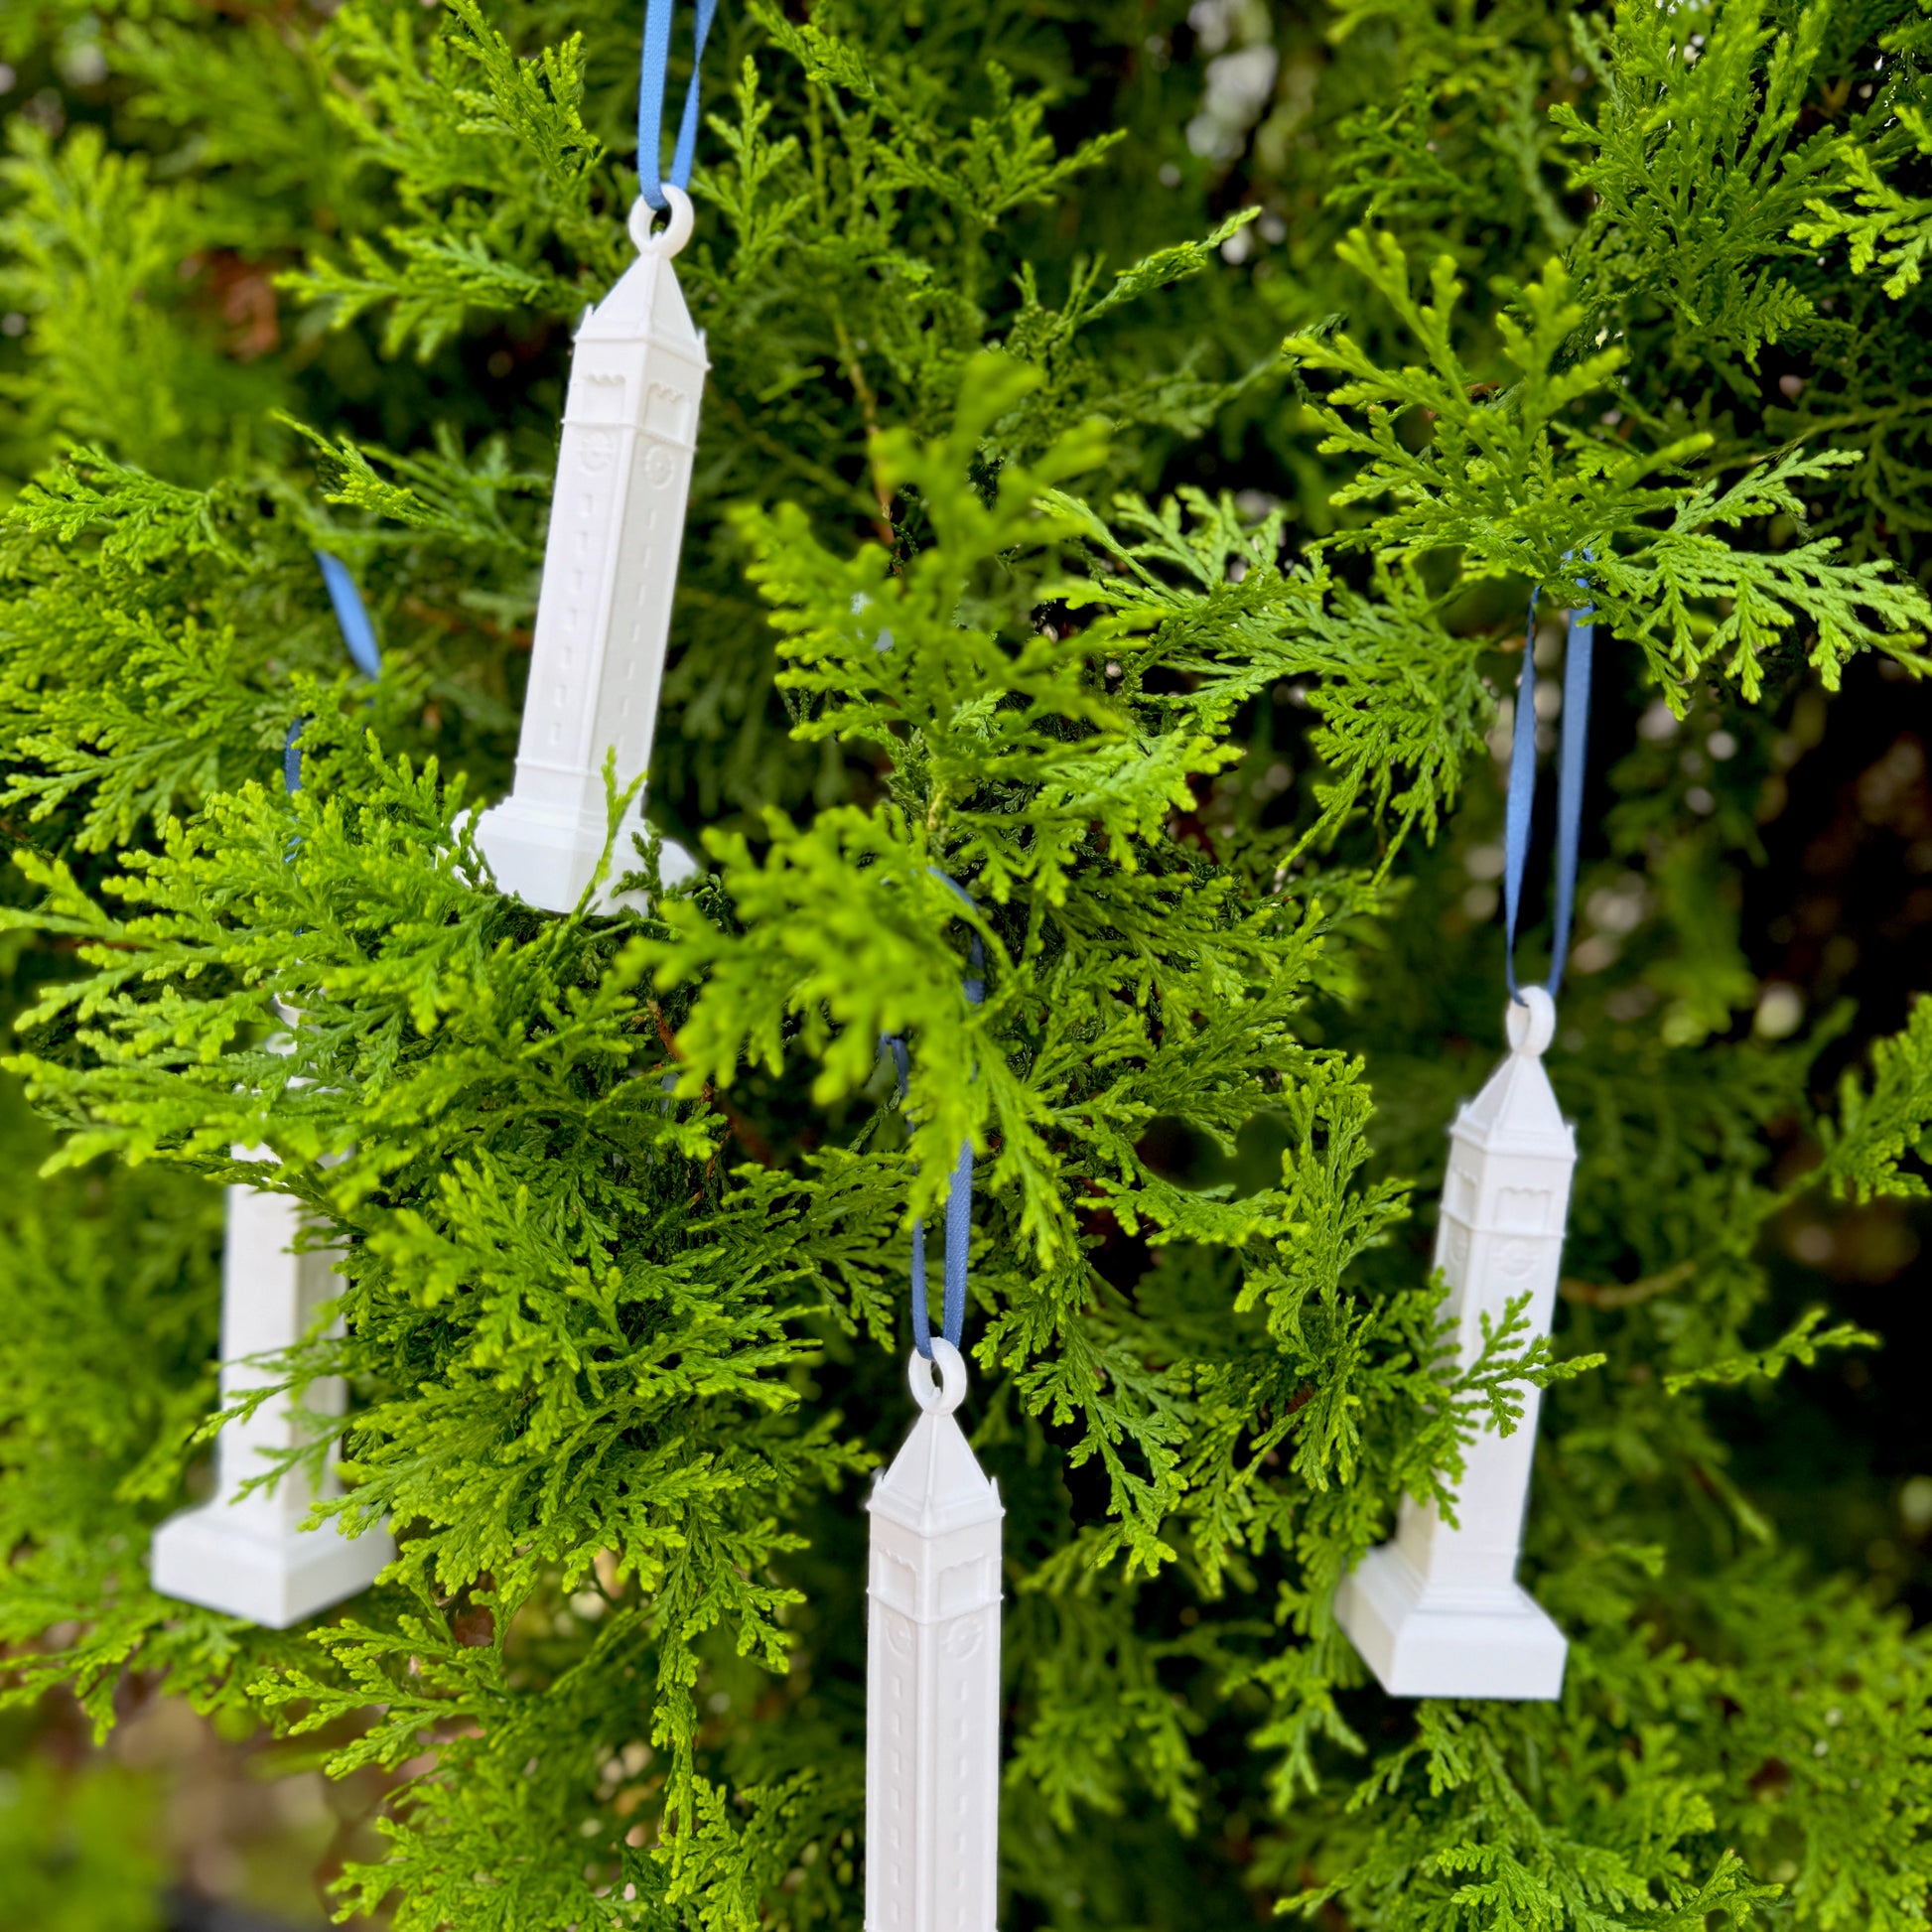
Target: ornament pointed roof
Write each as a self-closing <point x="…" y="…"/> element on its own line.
<point x="645" y="306"/>
<point x="935" y="1483"/>
<point x="1517" y="1110"/>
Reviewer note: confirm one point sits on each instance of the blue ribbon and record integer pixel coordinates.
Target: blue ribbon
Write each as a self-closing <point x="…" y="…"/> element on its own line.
<point x="959" y="1195"/>
<point x="1569" y="784"/>
<point x="358" y="634"/>
<point x="650" y="100"/>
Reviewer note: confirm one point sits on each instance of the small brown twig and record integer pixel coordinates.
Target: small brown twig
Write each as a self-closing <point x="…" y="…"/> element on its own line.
<point x="867" y="408"/>
<point x="1625" y="1294"/>
<point x="753" y="1140"/>
<point x="450" y="620"/>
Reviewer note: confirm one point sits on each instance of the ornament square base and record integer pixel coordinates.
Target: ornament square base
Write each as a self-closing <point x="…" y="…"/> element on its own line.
<point x="547" y="858"/>
<point x="206" y="1556"/>
<point x="1448" y="1643"/>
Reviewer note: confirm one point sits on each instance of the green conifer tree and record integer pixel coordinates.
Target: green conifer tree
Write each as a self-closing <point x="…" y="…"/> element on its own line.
<point x="1195" y="399"/>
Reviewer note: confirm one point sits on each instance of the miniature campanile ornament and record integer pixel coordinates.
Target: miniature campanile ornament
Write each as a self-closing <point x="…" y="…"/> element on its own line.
<point x="1438" y="1612"/>
<point x="616" y="525"/>
<point x="932" y="1674"/>
<point x="249" y="1555"/>
<point x="932" y="1628"/>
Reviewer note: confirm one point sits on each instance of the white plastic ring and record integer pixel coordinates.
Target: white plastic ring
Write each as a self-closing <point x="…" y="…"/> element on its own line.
<point x="1531" y="1024"/>
<point x="950" y="1391"/>
<point x="676" y="231"/>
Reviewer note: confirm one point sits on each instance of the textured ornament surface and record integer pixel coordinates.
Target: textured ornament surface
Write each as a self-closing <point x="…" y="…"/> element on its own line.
<point x="932" y="1684"/>
<point x="609" y="568"/>
<point x="1438" y="1612"/>
<point x="248" y="1554"/>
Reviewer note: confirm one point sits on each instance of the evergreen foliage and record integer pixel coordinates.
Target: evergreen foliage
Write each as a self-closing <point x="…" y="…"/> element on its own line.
<point x="997" y="302"/>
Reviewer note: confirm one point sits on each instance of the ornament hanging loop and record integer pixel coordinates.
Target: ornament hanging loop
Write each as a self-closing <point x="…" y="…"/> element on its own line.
<point x="668" y="240"/>
<point x="1530" y="1019"/>
<point x="950" y="1390"/>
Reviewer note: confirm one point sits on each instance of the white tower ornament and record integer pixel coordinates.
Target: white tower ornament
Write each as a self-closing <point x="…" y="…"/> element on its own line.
<point x="932" y="1675"/>
<point x="610" y="566"/>
<point x="1438" y="1612"/>
<point x="249" y="1556"/>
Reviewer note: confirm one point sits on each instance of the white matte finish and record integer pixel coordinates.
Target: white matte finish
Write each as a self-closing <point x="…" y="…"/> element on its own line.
<point x="1438" y="1612"/>
<point x="933" y="1678"/>
<point x="249" y="1555"/>
<point x="610" y="566"/>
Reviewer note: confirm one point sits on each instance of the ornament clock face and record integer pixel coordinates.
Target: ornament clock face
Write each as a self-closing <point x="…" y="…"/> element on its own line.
<point x="962" y="1642"/>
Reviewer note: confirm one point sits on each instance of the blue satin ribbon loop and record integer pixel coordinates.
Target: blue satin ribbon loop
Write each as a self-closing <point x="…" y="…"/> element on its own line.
<point x="351" y="617"/>
<point x="959" y="1194"/>
<point x="650" y="100"/>
<point x="359" y="635"/>
<point x="1571" y="761"/>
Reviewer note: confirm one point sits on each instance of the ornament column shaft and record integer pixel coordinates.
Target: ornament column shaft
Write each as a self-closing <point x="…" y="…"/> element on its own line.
<point x="597" y="658"/>
<point x="1500" y="1237"/>
<point x="248" y="1554"/>
<point x="259" y="1316"/>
